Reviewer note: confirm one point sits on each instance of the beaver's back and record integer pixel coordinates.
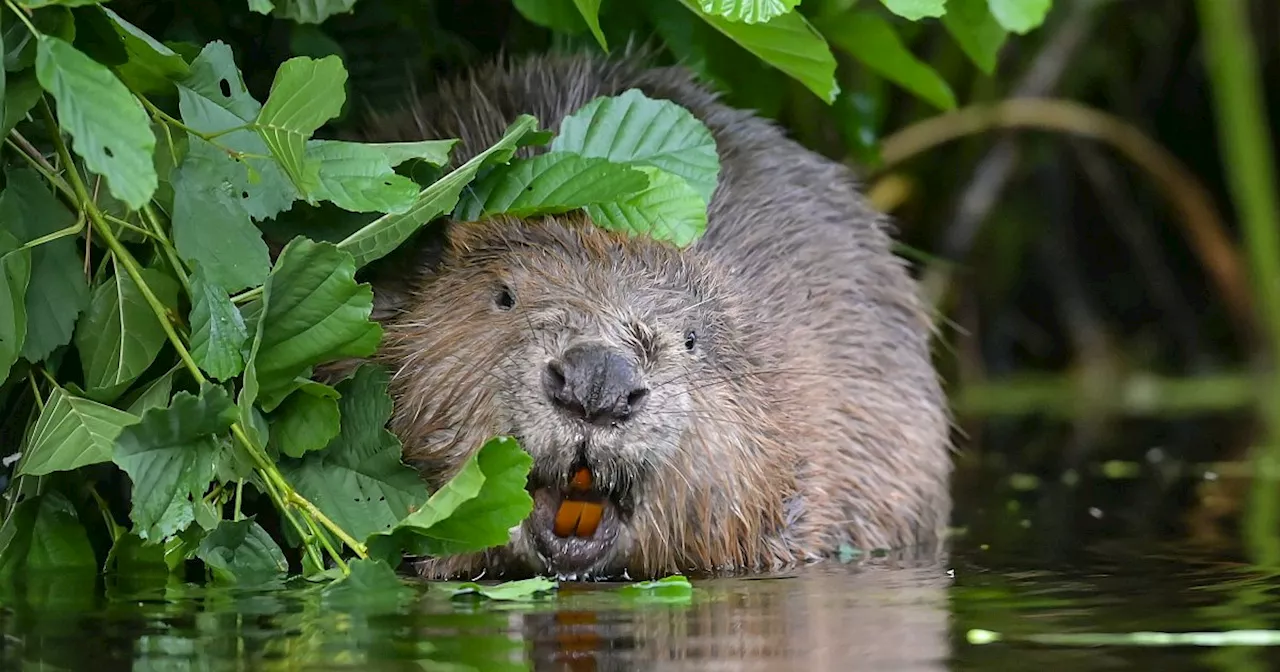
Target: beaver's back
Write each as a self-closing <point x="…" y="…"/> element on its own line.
<point x="855" y="382"/>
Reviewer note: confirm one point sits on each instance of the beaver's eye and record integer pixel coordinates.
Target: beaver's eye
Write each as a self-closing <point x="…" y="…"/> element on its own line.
<point x="504" y="298"/>
<point x="690" y="340"/>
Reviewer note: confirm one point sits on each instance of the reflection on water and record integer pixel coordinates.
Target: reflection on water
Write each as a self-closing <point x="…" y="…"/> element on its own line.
<point x="886" y="614"/>
<point x="1025" y="576"/>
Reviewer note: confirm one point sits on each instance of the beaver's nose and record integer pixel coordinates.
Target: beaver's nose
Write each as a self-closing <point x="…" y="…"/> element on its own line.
<point x="596" y="383"/>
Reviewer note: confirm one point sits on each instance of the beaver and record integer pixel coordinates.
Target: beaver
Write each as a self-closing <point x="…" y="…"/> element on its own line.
<point x="748" y="403"/>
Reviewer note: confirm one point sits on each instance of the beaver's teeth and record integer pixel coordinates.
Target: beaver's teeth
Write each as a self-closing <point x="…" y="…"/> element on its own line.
<point x="581" y="480"/>
<point x="590" y="518"/>
<point x="567" y="517"/>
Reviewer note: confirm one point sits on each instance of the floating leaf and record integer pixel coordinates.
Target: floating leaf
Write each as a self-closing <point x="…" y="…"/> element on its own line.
<point x="15" y="273"/>
<point x="669" y="209"/>
<point x="240" y="552"/>
<point x="59" y="291"/>
<point x="70" y="433"/>
<point x="914" y="10"/>
<point x="674" y="588"/>
<point x="507" y="591"/>
<point x="108" y="126"/>
<point x="307" y="420"/>
<point x="371" y="585"/>
<point x="315" y="312"/>
<point x="170" y="458"/>
<point x="750" y="11"/>
<point x="359" y="480"/>
<point x="44" y="534"/>
<point x="217" y="329"/>
<point x="385" y="234"/>
<point x="119" y="336"/>
<point x="546" y="184"/>
<point x="1020" y="16"/>
<point x="361" y="177"/>
<point x="306" y="93"/>
<point x="973" y="27"/>
<point x="634" y="129"/>
<point x="788" y="43"/>
<point x="870" y="39"/>
<point x="474" y="510"/>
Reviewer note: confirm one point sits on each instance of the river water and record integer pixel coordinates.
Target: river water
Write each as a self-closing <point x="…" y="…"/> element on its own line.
<point x="921" y="612"/>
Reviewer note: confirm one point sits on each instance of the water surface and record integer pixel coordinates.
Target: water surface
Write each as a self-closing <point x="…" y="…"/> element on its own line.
<point x="875" y="613"/>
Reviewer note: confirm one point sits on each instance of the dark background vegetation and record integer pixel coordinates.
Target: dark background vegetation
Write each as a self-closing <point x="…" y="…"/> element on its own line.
<point x="1079" y="331"/>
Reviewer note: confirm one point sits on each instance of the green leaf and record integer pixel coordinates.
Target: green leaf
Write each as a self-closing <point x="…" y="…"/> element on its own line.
<point x="108" y="126"/>
<point x="559" y="15"/>
<point x="43" y="534"/>
<point x="359" y="480"/>
<point x="155" y="395"/>
<point x="211" y="227"/>
<point x="385" y="234"/>
<point x="36" y="4"/>
<point x="474" y="510"/>
<point x="788" y="43"/>
<point x="669" y="209"/>
<point x="152" y="66"/>
<point x="262" y="188"/>
<point x="914" y="10"/>
<point x="119" y="336"/>
<point x="507" y="591"/>
<point x="241" y="552"/>
<point x="305" y="94"/>
<point x="312" y="11"/>
<point x="170" y="458"/>
<point x="590" y="10"/>
<point x="315" y="312"/>
<point x="307" y="420"/>
<point x="547" y="183"/>
<point x="372" y="584"/>
<point x="749" y="11"/>
<point x="261" y="6"/>
<point x="636" y="130"/>
<point x="70" y="433"/>
<point x="3" y="73"/>
<point x="61" y="294"/>
<point x="671" y="589"/>
<point x="20" y="96"/>
<point x="15" y="273"/>
<point x="1020" y="16"/>
<point x="361" y="177"/>
<point x="977" y="32"/>
<point x="870" y="39"/>
<point x="217" y="329"/>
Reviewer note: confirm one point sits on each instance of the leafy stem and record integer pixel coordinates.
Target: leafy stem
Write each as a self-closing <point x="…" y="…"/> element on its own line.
<point x="122" y="256"/>
<point x="28" y="151"/>
<point x="22" y="16"/>
<point x="118" y="250"/>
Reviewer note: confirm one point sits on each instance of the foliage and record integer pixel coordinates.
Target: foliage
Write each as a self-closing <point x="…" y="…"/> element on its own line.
<point x="154" y="334"/>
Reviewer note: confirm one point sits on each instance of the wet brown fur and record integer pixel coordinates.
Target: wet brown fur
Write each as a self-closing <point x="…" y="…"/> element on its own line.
<point x="812" y="416"/>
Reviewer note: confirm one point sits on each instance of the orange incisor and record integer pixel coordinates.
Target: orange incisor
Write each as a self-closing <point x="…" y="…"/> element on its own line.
<point x="576" y="516"/>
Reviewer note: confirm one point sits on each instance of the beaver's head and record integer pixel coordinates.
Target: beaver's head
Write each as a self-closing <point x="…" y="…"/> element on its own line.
<point x="622" y="356"/>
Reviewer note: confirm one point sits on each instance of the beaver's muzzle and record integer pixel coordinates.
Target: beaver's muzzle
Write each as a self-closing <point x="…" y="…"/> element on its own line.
<point x="596" y="384"/>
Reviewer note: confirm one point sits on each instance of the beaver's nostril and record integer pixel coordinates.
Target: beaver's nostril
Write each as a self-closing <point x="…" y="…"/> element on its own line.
<point x="636" y="399"/>
<point x="554" y="383"/>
